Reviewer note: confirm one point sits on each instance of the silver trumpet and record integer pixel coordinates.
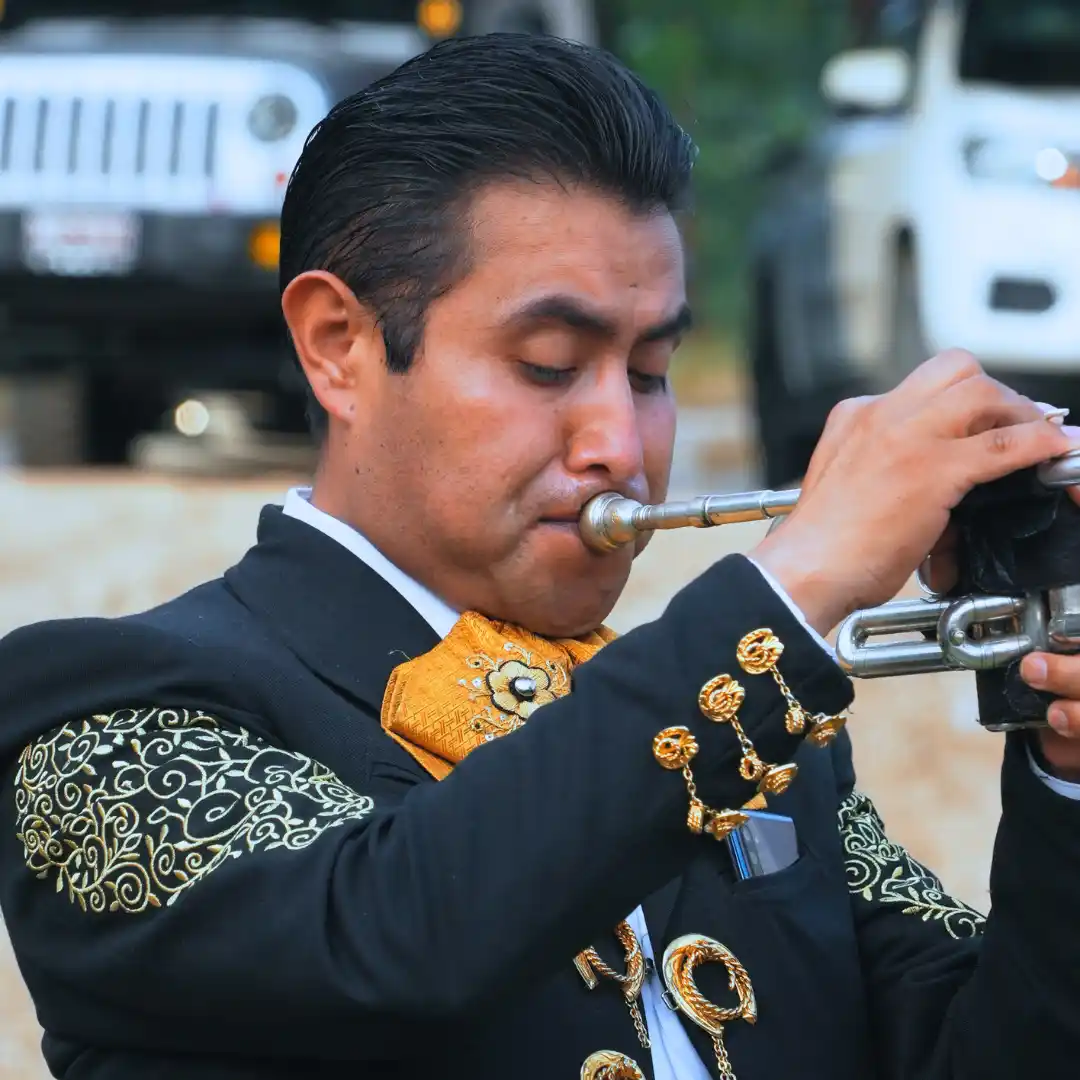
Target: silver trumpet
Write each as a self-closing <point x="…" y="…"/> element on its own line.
<point x="968" y="633"/>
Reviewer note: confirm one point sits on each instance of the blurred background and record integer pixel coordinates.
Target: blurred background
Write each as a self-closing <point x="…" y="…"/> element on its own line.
<point x="879" y="179"/>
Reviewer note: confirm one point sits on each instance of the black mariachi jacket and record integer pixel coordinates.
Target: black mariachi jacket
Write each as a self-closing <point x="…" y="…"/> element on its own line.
<point x="216" y="865"/>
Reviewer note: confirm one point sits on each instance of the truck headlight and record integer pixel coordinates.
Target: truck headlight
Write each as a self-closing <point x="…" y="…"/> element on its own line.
<point x="272" y="118"/>
<point x="1019" y="162"/>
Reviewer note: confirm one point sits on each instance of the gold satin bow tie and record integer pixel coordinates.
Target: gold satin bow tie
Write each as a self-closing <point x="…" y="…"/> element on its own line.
<point x="483" y="681"/>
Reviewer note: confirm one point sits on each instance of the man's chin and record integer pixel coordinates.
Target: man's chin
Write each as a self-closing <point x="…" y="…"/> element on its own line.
<point x="568" y="611"/>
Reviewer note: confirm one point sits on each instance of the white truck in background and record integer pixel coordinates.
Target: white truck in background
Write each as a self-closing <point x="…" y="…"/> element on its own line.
<point x="938" y="206"/>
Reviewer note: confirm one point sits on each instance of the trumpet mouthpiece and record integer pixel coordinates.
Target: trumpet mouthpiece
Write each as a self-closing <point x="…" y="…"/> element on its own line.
<point x="607" y="521"/>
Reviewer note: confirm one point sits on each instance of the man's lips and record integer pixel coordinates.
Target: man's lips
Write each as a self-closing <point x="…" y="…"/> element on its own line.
<point x="568" y="515"/>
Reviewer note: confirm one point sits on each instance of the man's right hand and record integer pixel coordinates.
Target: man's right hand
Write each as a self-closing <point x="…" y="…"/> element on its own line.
<point x="886" y="474"/>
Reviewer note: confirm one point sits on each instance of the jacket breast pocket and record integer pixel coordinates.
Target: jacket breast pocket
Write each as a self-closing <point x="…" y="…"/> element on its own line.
<point x="790" y="881"/>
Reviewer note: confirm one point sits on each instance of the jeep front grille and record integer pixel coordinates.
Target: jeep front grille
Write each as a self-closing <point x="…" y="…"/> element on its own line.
<point x="119" y="139"/>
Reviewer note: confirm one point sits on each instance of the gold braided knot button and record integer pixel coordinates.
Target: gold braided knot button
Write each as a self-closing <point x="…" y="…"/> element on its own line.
<point x="759" y="651"/>
<point x="675" y="747"/>
<point x="721" y="698"/>
<point x="610" y="1065"/>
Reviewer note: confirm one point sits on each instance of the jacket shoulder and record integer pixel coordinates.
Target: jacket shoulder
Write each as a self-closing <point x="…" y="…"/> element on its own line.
<point x="189" y="653"/>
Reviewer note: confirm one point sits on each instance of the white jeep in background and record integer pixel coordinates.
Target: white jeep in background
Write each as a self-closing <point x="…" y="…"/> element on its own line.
<point x="938" y="206"/>
<point x="145" y="148"/>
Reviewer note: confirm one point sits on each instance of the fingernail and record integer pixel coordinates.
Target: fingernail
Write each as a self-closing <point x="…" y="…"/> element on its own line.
<point x="1059" y="721"/>
<point x="1034" y="671"/>
<point x="1071" y="432"/>
<point x="1052" y="413"/>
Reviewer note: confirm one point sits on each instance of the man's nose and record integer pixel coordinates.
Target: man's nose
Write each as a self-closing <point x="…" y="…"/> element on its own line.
<point x="605" y="433"/>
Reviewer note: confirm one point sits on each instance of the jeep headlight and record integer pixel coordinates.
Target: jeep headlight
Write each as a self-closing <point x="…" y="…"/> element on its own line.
<point x="272" y="118"/>
<point x="1021" y="162"/>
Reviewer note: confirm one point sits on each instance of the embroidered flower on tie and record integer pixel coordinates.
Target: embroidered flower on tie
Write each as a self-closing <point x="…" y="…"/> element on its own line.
<point x="519" y="689"/>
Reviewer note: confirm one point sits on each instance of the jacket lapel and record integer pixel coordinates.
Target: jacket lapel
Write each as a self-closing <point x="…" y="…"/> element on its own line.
<point x="337" y="615"/>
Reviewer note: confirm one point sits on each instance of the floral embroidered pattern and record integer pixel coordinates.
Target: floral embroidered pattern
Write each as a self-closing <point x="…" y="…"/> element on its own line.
<point x="883" y="872"/>
<point x="519" y="689"/>
<point x="133" y="808"/>
<point x="510" y="691"/>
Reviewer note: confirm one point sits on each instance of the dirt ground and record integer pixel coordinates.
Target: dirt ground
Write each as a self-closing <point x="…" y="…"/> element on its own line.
<point x="105" y="545"/>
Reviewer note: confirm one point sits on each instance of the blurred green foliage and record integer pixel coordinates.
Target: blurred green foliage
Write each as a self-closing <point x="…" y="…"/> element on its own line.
<point x="741" y="75"/>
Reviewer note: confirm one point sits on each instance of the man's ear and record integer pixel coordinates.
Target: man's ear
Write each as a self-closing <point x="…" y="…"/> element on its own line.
<point x="337" y="339"/>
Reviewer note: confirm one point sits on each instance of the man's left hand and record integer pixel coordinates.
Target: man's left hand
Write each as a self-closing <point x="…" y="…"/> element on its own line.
<point x="1053" y="673"/>
<point x="1058" y="675"/>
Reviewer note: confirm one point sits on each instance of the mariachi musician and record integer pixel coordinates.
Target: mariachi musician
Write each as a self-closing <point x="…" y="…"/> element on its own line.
<point x="389" y="800"/>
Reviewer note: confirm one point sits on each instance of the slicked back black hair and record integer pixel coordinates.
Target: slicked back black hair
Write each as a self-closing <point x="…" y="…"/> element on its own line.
<point x="378" y="195"/>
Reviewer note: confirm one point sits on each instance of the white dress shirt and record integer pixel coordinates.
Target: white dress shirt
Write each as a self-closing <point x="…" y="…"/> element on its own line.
<point x="673" y="1055"/>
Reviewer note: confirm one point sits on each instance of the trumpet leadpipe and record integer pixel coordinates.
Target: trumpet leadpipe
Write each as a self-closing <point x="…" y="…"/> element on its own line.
<point x="610" y="521"/>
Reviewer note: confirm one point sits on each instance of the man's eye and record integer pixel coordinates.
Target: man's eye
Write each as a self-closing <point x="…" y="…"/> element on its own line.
<point x="648" y="384"/>
<point x="547" y="376"/>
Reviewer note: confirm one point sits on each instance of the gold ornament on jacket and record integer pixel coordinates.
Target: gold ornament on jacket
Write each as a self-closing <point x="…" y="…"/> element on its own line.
<point x="681" y="957"/>
<point x="610" y="1065"/>
<point x="758" y="654"/>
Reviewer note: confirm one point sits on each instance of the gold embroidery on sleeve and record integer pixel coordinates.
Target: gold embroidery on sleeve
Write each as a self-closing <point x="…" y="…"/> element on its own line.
<point x="883" y="872"/>
<point x="132" y="808"/>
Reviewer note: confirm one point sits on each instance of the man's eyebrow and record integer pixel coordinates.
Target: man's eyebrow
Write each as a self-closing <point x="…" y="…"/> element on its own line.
<point x="576" y="315"/>
<point x="669" y="329"/>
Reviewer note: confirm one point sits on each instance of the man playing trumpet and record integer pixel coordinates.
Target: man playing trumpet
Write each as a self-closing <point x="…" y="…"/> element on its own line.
<point x="389" y="800"/>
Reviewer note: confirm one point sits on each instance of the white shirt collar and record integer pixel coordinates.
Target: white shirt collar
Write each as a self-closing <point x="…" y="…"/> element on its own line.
<point x="438" y="615"/>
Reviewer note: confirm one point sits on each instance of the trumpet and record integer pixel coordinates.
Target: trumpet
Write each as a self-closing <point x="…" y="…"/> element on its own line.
<point x="1019" y="588"/>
